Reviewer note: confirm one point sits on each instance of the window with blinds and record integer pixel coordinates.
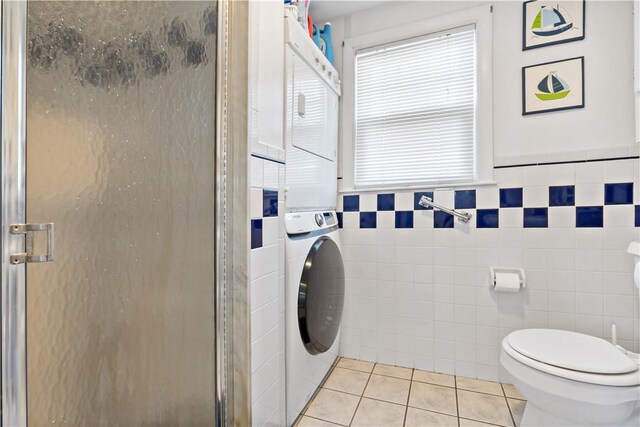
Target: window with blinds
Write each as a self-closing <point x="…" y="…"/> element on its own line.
<point x="415" y="112"/>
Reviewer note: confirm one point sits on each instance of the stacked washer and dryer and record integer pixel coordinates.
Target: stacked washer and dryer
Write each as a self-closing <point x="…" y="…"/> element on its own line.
<point x="314" y="294"/>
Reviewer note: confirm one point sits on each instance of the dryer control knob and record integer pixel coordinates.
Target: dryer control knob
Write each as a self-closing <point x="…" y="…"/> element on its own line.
<point x="319" y="219"/>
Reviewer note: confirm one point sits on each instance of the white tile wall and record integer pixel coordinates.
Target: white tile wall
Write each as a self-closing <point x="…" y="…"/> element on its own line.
<point x="266" y="273"/>
<point x="420" y="297"/>
<point x="267" y="304"/>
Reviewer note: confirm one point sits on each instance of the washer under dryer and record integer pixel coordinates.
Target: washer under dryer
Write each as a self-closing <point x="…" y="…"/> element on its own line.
<point x="314" y="301"/>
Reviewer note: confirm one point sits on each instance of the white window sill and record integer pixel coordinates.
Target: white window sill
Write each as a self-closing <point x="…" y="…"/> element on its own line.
<point x="426" y="187"/>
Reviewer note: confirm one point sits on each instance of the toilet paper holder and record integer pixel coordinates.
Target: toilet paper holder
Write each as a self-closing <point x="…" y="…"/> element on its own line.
<point x="522" y="277"/>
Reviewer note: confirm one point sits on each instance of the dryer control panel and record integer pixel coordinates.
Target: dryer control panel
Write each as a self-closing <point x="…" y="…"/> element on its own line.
<point x="307" y="222"/>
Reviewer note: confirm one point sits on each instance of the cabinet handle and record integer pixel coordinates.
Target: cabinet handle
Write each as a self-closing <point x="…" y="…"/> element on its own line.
<point x="301" y="104"/>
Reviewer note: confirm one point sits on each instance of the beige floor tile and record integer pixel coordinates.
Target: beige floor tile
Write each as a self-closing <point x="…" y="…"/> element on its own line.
<point x="517" y="409"/>
<point x="433" y="398"/>
<point x="470" y="423"/>
<point x="434" y="378"/>
<point x="479" y="385"/>
<point x="357" y="365"/>
<point x="374" y="413"/>
<point x="389" y="389"/>
<point x="347" y="380"/>
<point x="511" y="391"/>
<point x="393" y="371"/>
<point x="484" y="407"/>
<point x="314" y="422"/>
<point x="419" y="418"/>
<point x="333" y="406"/>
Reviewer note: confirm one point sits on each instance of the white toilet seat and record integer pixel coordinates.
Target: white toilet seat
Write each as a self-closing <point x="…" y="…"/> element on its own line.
<point x="571" y="350"/>
<point x="621" y="380"/>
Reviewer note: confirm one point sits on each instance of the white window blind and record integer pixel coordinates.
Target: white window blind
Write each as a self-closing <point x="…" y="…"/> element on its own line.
<point x="415" y="111"/>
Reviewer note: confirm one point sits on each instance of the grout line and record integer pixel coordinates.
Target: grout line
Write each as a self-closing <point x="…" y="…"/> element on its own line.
<point x="484" y="422"/>
<point x="455" y="382"/>
<point x="406" y="407"/>
<point x="435" y="412"/>
<point x="513" y="420"/>
<point x="360" y="400"/>
<point x="355" y="370"/>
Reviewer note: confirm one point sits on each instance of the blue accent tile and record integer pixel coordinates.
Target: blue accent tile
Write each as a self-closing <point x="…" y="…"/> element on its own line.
<point x="589" y="216"/>
<point x="269" y="203"/>
<point x="339" y="216"/>
<point x="442" y="220"/>
<point x="637" y="222"/>
<point x="416" y="200"/>
<point x="563" y="195"/>
<point x="256" y="233"/>
<point x="487" y="218"/>
<point x="386" y="202"/>
<point x="618" y="194"/>
<point x="404" y="219"/>
<point x="536" y="217"/>
<point x="351" y="203"/>
<point x="511" y="197"/>
<point x="465" y="199"/>
<point x="368" y="219"/>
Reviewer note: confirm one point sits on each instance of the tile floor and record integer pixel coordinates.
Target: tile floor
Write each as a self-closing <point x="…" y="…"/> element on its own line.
<point x="358" y="393"/>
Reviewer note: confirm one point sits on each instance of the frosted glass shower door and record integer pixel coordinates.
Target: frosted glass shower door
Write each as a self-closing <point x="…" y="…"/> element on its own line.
<point x="120" y="154"/>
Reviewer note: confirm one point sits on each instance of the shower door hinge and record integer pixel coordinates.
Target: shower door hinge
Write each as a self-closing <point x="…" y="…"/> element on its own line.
<point x="28" y="230"/>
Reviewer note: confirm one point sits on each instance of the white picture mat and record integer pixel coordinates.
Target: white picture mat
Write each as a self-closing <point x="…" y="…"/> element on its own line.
<point x="570" y="71"/>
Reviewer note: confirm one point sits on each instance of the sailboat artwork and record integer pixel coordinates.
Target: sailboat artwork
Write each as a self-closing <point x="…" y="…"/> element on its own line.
<point x="551" y="21"/>
<point x="552" y="88"/>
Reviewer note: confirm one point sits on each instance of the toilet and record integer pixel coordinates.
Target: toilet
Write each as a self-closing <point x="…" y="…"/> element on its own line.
<point x="572" y="379"/>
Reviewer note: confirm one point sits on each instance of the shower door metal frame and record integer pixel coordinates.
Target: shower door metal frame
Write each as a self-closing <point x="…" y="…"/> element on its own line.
<point x="232" y="341"/>
<point x="13" y="169"/>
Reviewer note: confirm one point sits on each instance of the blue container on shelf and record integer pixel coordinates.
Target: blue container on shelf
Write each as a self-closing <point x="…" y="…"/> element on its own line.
<point x="316" y="36"/>
<point x="326" y="43"/>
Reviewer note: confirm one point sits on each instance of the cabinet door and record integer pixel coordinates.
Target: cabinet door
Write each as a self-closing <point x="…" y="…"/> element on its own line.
<point x="310" y="111"/>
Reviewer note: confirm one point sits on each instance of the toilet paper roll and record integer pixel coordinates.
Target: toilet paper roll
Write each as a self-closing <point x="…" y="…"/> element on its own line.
<point x="507" y="282"/>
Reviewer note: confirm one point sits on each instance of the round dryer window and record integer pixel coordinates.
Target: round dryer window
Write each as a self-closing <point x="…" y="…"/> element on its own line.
<point x="321" y="296"/>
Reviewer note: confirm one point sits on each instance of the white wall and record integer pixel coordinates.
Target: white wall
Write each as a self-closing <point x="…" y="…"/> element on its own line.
<point x="604" y="128"/>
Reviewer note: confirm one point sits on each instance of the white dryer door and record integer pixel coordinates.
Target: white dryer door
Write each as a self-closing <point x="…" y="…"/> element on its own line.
<point x="321" y="296"/>
<point x="315" y="112"/>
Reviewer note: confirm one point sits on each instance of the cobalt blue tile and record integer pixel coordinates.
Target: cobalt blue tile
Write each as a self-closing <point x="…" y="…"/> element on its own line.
<point x="256" y="233"/>
<point x="351" y="203"/>
<point x="442" y="220"/>
<point x="536" y="217"/>
<point x="487" y="218"/>
<point x="618" y="194"/>
<point x="637" y="215"/>
<point x="563" y="195"/>
<point x="269" y="203"/>
<point x="589" y="216"/>
<point x="511" y="197"/>
<point x="465" y="199"/>
<point x="368" y="219"/>
<point x="418" y="196"/>
<point x="404" y="219"/>
<point x="386" y="202"/>
<point x="339" y="216"/>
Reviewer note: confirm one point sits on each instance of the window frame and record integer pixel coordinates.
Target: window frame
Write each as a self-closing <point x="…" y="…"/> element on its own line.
<point x="481" y="18"/>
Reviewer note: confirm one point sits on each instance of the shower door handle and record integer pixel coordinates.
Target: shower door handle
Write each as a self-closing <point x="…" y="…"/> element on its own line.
<point x="28" y="230"/>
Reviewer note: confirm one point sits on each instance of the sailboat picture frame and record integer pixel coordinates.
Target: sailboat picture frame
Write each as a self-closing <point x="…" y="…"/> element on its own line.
<point x="548" y="22"/>
<point x="553" y="86"/>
